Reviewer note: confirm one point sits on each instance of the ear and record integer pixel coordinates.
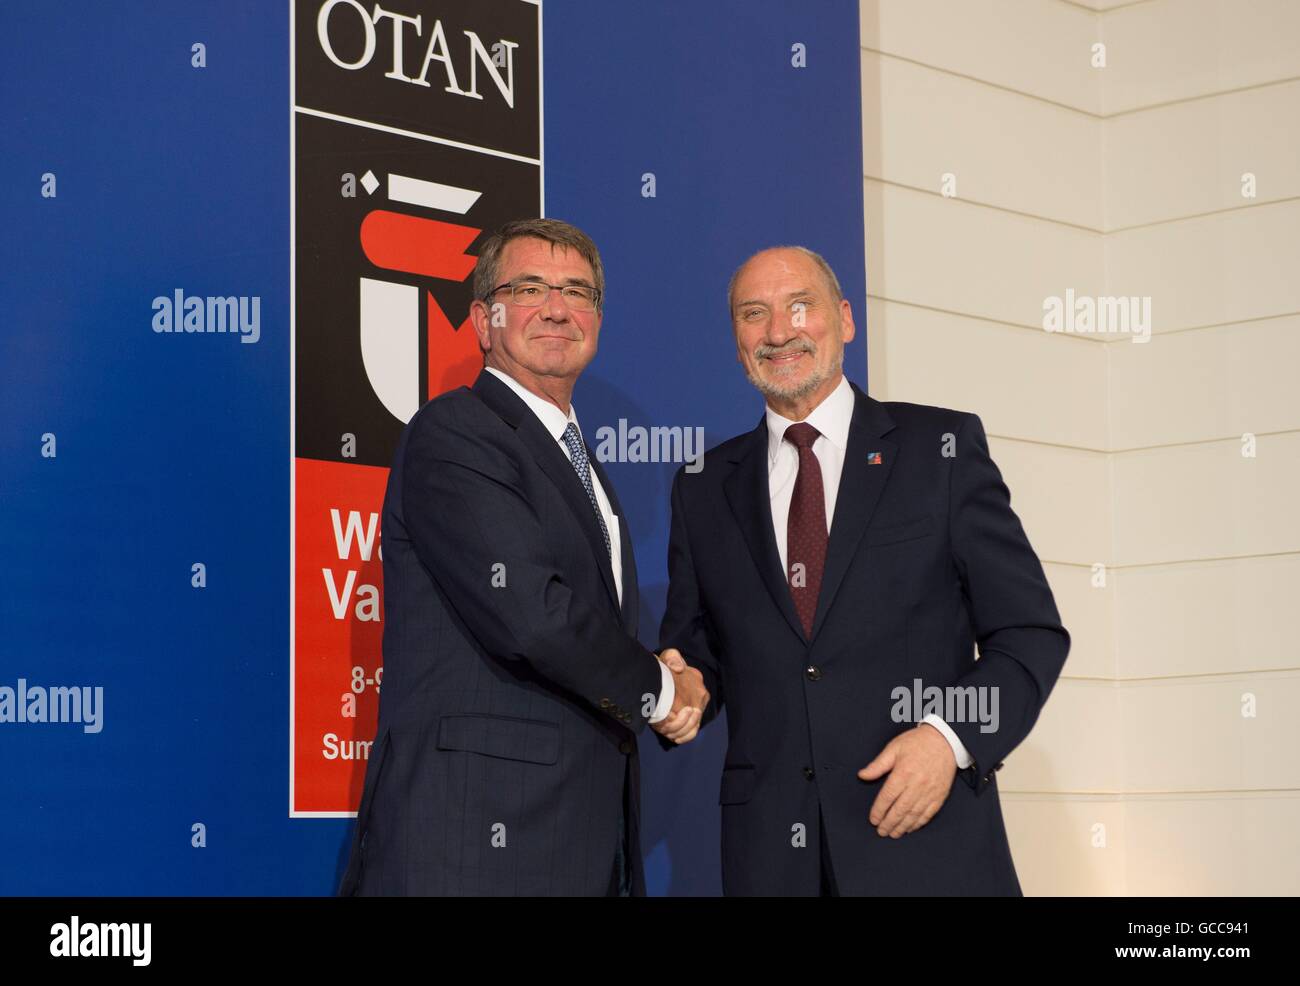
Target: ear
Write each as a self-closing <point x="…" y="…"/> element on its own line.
<point x="847" y="329"/>
<point x="481" y="317"/>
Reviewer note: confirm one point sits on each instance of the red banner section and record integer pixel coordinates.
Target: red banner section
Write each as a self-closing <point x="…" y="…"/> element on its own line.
<point x="338" y="629"/>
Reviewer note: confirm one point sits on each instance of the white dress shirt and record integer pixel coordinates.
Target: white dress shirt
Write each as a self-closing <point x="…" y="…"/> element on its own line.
<point x="555" y="422"/>
<point x="831" y="418"/>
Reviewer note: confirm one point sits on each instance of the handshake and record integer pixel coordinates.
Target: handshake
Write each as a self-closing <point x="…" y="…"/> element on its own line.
<point x="689" y="699"/>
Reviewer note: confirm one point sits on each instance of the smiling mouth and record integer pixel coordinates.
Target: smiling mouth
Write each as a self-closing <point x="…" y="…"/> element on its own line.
<point x="783" y="358"/>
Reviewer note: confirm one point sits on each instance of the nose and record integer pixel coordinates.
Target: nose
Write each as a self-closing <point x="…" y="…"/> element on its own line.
<point x="781" y="329"/>
<point x="554" y="308"/>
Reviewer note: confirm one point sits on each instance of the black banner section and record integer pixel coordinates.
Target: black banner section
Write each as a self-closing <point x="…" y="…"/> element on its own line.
<point x="462" y="71"/>
<point x="367" y="266"/>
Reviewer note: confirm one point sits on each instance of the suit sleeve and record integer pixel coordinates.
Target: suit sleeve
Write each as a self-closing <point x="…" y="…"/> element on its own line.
<point x="474" y="530"/>
<point x="686" y="623"/>
<point x="1022" y="643"/>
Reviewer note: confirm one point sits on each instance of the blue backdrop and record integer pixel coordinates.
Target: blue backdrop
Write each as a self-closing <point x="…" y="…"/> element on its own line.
<point x="170" y="453"/>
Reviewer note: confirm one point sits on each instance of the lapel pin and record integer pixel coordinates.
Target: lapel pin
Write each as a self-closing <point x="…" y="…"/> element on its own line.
<point x="873" y="458"/>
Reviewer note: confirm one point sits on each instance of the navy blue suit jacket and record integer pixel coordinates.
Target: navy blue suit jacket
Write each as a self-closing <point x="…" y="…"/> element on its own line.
<point x="513" y="682"/>
<point x="926" y="559"/>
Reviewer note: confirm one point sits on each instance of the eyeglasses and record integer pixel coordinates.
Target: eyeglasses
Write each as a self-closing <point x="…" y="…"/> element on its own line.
<point x="533" y="294"/>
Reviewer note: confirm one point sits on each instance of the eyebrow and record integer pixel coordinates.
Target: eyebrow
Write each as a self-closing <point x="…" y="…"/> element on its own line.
<point x="792" y="294"/>
<point x="575" y="281"/>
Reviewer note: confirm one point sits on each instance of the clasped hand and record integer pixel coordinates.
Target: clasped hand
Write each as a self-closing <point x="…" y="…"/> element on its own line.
<point x="690" y="698"/>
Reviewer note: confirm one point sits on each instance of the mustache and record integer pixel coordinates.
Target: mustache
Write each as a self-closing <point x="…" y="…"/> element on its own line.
<point x="793" y="346"/>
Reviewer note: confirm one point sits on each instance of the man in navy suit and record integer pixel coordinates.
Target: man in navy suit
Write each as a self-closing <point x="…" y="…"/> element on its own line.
<point x="505" y="760"/>
<point x="831" y="573"/>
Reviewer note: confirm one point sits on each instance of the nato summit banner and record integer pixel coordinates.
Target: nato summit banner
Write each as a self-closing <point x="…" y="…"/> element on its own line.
<point x="238" y="251"/>
<point x="413" y="133"/>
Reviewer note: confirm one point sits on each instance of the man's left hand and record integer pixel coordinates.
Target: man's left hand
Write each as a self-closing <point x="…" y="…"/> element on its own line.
<point x="921" y="768"/>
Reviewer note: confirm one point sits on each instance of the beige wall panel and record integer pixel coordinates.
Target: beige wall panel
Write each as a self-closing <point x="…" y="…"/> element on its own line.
<point x="972" y="260"/>
<point x="1205" y="501"/>
<point x="1211" y="383"/>
<point x="1027" y="45"/>
<point x="1190" y="734"/>
<point x="1045" y="160"/>
<point x="1023" y="383"/>
<point x="1214" y="617"/>
<point x="1213" y="846"/>
<point x="1074" y="746"/>
<point x="1087" y="613"/>
<point x="1053" y="842"/>
<point x="1178" y="49"/>
<point x="1062" y="497"/>
<point x="1186" y="159"/>
<point x="1227" y="267"/>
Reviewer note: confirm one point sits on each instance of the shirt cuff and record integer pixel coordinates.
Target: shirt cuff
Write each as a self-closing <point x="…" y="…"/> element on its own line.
<point x="666" y="693"/>
<point x="964" y="759"/>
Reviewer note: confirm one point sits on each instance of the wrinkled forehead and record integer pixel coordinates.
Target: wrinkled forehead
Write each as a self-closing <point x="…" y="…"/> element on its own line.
<point x="775" y="274"/>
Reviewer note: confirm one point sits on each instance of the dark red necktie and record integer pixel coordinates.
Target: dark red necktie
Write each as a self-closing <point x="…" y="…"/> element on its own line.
<point x="806" y="535"/>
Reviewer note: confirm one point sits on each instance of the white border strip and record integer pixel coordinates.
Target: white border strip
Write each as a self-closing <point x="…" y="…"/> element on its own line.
<point x="541" y="118"/>
<point x="337" y="118"/>
<point x="293" y="373"/>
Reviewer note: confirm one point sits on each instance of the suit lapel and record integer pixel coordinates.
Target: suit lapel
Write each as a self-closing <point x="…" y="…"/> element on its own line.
<point x="548" y="454"/>
<point x="861" y="484"/>
<point x="630" y="588"/>
<point x="748" y="494"/>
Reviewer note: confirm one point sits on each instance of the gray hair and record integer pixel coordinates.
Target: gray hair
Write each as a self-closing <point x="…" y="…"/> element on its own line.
<point x="553" y="231"/>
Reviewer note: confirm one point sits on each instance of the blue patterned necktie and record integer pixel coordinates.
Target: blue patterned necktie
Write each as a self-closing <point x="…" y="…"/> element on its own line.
<point x="582" y="466"/>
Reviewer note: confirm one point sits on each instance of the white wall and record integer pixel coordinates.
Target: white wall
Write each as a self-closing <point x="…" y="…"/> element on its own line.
<point x="1143" y="776"/>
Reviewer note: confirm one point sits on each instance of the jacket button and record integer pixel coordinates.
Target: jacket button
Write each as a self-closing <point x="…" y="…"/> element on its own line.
<point x="625" y="747"/>
<point x="809" y="773"/>
<point x="813" y="672"/>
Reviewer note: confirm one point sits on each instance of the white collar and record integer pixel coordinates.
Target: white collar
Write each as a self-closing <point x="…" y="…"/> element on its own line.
<point x="552" y="418"/>
<point x="831" y="418"/>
